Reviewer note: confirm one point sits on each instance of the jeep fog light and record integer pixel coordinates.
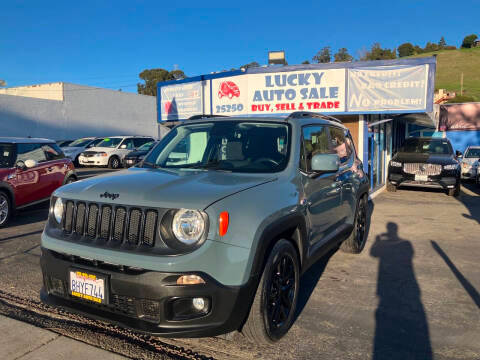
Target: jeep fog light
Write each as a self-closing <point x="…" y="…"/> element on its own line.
<point x="58" y="210"/>
<point x="199" y="304"/>
<point x="190" y="280"/>
<point x="188" y="226"/>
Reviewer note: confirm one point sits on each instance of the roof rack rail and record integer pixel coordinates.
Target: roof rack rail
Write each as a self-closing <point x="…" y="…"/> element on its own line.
<point x="206" y="116"/>
<point x="302" y="114"/>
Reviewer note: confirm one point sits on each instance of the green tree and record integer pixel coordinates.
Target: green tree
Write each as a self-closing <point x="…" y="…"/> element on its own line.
<point x="306" y="62"/>
<point x="153" y="76"/>
<point x="377" y="53"/>
<point x="323" y="56"/>
<point x="430" y="47"/>
<point x="442" y="43"/>
<point x="406" y="49"/>
<point x="468" y="41"/>
<point x="342" y="55"/>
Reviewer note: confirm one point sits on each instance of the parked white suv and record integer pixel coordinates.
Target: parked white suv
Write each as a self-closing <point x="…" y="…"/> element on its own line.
<point x="111" y="151"/>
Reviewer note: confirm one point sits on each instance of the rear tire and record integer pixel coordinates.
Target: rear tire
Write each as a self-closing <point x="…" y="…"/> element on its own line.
<point x="391" y="187"/>
<point x="5" y="209"/>
<point x="70" y="180"/>
<point x="273" y="309"/>
<point x="355" y="242"/>
<point x="114" y="162"/>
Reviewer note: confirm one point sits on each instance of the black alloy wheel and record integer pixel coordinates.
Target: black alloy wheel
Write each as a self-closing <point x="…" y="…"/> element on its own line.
<point x="361" y="224"/>
<point x="355" y="242"/>
<point x="5" y="209"/>
<point x="280" y="292"/>
<point x="273" y="309"/>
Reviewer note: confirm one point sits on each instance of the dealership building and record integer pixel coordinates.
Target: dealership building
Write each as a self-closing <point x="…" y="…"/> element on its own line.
<point x="380" y="102"/>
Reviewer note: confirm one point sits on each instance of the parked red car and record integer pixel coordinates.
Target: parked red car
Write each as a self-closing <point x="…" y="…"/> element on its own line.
<point x="229" y="89"/>
<point x="30" y="171"/>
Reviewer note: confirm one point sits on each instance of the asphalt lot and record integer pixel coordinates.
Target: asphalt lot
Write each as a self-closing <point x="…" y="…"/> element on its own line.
<point x="413" y="293"/>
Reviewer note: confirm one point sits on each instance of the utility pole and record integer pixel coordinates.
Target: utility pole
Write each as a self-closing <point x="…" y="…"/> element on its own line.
<point x="461" y="84"/>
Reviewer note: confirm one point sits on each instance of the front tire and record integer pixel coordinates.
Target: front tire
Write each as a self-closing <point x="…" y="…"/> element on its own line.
<point x="5" y="209"/>
<point x="114" y="162"/>
<point x="355" y="242"/>
<point x="273" y="309"/>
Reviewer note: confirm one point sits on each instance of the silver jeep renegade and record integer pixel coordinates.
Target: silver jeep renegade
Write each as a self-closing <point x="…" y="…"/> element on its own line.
<point x="210" y="233"/>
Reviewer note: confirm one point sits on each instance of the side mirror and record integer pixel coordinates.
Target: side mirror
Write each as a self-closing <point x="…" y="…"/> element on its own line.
<point x="458" y="153"/>
<point x="30" y="163"/>
<point x="21" y="165"/>
<point x="325" y="163"/>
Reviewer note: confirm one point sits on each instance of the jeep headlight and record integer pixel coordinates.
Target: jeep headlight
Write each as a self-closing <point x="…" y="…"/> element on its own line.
<point x="395" y="164"/>
<point x="450" y="167"/>
<point x="57" y="210"/>
<point x="188" y="226"/>
<point x="184" y="229"/>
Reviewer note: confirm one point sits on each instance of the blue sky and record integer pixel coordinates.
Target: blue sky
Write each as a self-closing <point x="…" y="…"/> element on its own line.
<point x="108" y="43"/>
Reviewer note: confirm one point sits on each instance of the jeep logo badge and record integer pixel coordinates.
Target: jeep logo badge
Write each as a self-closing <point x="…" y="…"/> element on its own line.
<point x="106" y="194"/>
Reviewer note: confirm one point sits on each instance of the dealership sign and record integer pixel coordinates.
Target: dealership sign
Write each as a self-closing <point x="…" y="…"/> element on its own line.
<point x="399" y="86"/>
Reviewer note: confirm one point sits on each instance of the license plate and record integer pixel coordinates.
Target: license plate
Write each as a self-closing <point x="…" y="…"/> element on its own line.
<point x="421" y="177"/>
<point x="87" y="286"/>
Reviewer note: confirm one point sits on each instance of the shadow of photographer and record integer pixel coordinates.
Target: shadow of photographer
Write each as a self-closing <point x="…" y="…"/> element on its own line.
<point x="401" y="325"/>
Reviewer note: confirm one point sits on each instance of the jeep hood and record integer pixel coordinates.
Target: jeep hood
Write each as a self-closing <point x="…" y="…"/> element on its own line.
<point x="424" y="158"/>
<point x="192" y="189"/>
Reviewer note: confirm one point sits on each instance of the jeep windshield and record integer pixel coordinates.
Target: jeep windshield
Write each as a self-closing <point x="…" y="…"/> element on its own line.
<point x="427" y="147"/>
<point x="7" y="153"/>
<point x="235" y="146"/>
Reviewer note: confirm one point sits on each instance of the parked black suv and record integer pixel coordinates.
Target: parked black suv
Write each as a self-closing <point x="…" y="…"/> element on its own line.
<point x="425" y="162"/>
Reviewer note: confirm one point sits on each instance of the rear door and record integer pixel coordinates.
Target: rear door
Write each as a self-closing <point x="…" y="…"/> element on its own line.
<point x="33" y="183"/>
<point x="343" y="146"/>
<point x="56" y="166"/>
<point x="322" y="193"/>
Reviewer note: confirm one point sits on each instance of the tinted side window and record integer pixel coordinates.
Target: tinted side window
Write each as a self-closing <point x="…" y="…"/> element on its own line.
<point x="315" y="141"/>
<point x="31" y="152"/>
<point x="52" y="152"/>
<point x="140" y="141"/>
<point x="339" y="144"/>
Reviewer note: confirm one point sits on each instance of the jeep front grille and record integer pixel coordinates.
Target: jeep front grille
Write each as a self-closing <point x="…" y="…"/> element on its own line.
<point x="111" y="223"/>
<point x="422" y="169"/>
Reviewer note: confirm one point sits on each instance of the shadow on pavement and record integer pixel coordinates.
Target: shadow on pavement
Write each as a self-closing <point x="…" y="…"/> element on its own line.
<point x="401" y="330"/>
<point x="471" y="200"/>
<point x="465" y="283"/>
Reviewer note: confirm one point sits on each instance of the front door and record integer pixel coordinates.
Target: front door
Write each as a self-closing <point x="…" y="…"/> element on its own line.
<point x="31" y="184"/>
<point x="322" y="193"/>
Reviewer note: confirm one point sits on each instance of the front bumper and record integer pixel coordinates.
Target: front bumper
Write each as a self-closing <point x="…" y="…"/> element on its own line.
<point x="93" y="160"/>
<point x="143" y="300"/>
<point x="442" y="181"/>
<point x="469" y="173"/>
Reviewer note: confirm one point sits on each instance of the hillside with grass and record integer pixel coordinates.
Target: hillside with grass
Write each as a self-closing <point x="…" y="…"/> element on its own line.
<point x="451" y="64"/>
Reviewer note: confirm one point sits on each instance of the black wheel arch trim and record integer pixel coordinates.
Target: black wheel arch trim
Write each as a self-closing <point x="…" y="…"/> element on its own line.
<point x="296" y="223"/>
